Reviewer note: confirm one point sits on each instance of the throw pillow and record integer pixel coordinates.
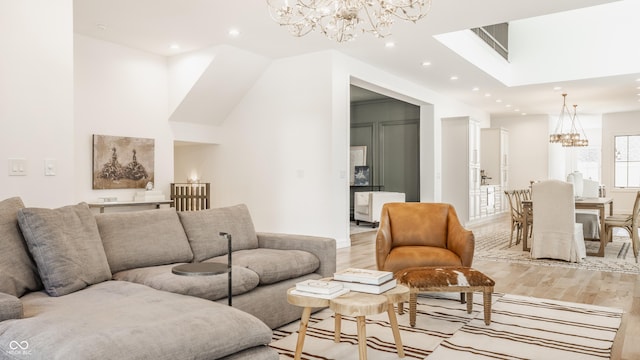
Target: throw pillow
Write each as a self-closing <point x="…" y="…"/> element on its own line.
<point x="66" y="246"/>
<point x="203" y="230"/>
<point x="18" y="273"/>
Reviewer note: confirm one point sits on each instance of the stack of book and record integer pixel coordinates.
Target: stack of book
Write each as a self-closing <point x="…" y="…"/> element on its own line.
<point x="324" y="289"/>
<point x="365" y="280"/>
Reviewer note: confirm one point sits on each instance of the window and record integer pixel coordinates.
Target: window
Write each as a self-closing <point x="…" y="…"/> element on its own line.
<point x="588" y="162"/>
<point x="627" y="161"/>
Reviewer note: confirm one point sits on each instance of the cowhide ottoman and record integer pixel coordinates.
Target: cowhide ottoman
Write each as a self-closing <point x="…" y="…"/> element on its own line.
<point x="445" y="279"/>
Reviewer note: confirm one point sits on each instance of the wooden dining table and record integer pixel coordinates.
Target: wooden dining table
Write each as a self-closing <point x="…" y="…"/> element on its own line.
<point x="599" y="204"/>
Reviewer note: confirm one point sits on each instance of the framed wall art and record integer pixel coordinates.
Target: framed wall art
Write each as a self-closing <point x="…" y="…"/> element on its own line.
<point x="122" y="162"/>
<point x="361" y="177"/>
<point x="358" y="157"/>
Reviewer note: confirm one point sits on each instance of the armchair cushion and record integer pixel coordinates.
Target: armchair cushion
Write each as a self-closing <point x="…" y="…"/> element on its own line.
<point x="18" y="273"/>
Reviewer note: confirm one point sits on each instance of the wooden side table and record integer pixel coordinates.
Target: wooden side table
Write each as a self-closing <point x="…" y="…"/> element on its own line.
<point x="352" y="304"/>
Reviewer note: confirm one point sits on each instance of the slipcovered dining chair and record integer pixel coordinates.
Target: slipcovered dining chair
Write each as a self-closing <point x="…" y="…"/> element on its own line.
<point x="590" y="219"/>
<point x="629" y="222"/>
<point x="556" y="235"/>
<point x="422" y="234"/>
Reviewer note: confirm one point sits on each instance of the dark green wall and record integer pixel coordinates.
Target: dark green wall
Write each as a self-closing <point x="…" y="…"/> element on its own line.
<point x="390" y="129"/>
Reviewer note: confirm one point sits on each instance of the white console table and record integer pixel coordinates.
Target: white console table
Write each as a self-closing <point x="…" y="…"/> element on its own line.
<point x="102" y="205"/>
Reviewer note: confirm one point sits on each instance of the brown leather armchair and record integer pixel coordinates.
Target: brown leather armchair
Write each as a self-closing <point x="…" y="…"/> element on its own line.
<point x="422" y="234"/>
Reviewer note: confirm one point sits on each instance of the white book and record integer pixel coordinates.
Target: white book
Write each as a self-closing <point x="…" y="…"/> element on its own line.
<point x="319" y="286"/>
<point x="364" y="276"/>
<point x="321" y="296"/>
<point x="369" y="288"/>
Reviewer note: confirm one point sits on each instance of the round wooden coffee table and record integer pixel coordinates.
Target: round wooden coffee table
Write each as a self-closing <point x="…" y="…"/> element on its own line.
<point x="355" y="304"/>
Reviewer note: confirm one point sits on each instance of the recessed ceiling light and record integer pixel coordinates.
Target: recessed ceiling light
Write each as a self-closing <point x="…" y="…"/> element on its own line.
<point x="487" y="94"/>
<point x="475" y="89"/>
<point x="174" y="47"/>
<point x="453" y="77"/>
<point x="516" y="110"/>
<point x="234" y="32"/>
<point x="523" y="114"/>
<point x="508" y="105"/>
<point x="426" y="63"/>
<point x="557" y="88"/>
<point x="498" y="100"/>
<point x="389" y="44"/>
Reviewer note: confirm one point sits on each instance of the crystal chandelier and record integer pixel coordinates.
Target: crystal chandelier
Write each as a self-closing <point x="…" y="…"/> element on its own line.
<point x="566" y="132"/>
<point x="343" y="20"/>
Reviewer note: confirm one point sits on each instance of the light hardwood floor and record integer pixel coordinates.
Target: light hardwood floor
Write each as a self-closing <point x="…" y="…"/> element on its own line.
<point x="581" y="286"/>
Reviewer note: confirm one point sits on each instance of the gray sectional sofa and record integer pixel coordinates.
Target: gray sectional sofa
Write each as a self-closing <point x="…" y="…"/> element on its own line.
<point x="76" y="285"/>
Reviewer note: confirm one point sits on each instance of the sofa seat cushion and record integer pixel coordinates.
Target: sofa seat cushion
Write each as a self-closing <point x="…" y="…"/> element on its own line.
<point x="211" y="287"/>
<point x="18" y="273"/>
<point x="10" y="307"/>
<point x="66" y="247"/>
<point x="203" y="229"/>
<point x="143" y="238"/>
<point x="123" y="320"/>
<point x="274" y="265"/>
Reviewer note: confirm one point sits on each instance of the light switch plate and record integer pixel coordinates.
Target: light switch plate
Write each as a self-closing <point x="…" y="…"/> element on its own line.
<point x="50" y="167"/>
<point x="17" y="167"/>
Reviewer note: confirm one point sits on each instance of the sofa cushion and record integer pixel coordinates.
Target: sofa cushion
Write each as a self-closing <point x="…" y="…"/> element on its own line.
<point x="211" y="287"/>
<point x="66" y="247"/>
<point x="203" y="230"/>
<point x="123" y="320"/>
<point x="10" y="307"/>
<point x="18" y="273"/>
<point x="273" y="265"/>
<point x="143" y="238"/>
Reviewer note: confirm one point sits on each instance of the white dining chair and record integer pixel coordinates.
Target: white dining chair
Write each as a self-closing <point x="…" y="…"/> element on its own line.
<point x="590" y="219"/>
<point x="556" y="235"/>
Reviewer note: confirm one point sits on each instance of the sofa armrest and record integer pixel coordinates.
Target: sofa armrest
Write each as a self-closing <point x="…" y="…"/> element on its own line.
<point x="322" y="247"/>
<point x="10" y="307"/>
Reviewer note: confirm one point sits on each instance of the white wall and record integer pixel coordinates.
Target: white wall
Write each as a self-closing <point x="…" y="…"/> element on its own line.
<point x="613" y="124"/>
<point x="276" y="156"/>
<point x="528" y="148"/>
<point x="36" y="99"/>
<point x="590" y="34"/>
<point x="195" y="161"/>
<point x="119" y="91"/>
<point x="285" y="146"/>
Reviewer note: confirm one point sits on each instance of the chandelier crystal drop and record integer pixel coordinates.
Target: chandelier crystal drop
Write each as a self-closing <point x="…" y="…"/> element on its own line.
<point x="344" y="20"/>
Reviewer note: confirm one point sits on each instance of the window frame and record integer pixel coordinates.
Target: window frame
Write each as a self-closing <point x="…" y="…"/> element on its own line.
<point x="626" y="162"/>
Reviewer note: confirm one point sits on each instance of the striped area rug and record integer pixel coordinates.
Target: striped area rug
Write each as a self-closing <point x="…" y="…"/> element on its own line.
<point x="521" y="328"/>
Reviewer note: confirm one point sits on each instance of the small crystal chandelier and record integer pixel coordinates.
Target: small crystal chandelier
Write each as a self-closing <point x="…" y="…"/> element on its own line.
<point x="568" y="137"/>
<point x="343" y="20"/>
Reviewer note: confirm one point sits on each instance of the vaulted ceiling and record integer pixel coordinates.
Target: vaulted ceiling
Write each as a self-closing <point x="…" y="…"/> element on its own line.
<point x="601" y="80"/>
